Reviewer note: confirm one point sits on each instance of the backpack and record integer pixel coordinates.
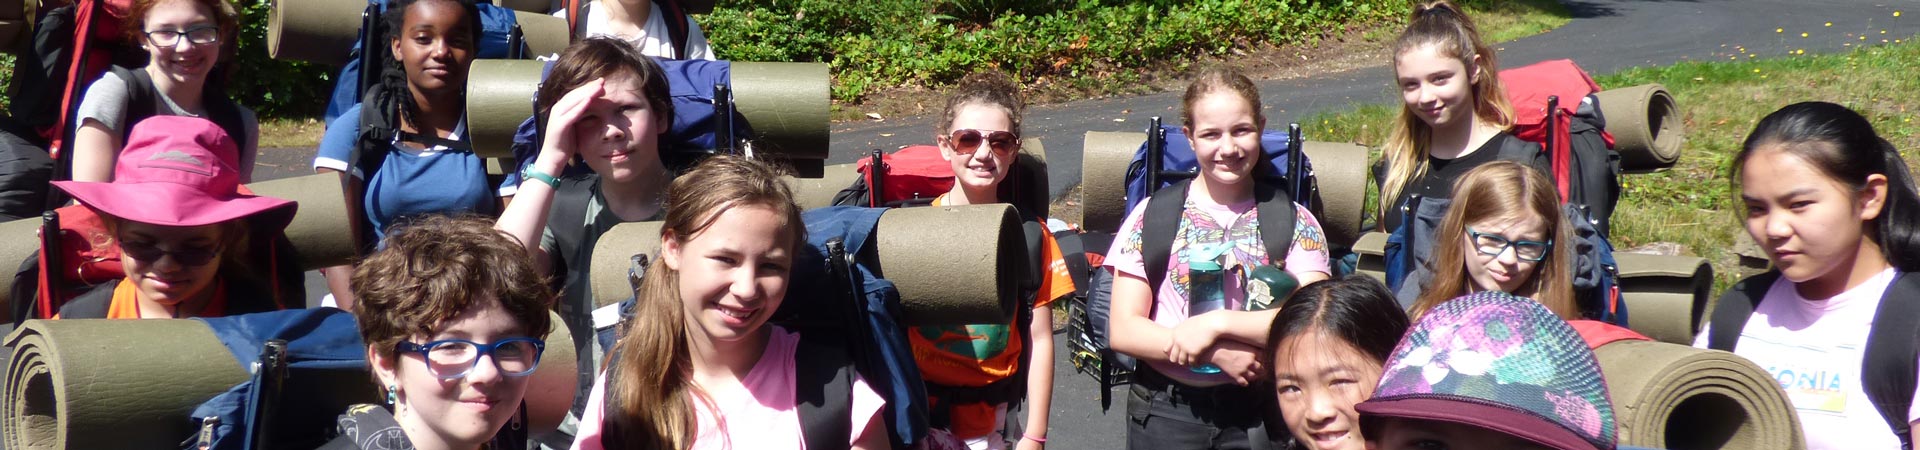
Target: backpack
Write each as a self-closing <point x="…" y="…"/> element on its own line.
<point x="68" y="266"/>
<point x="1167" y="148"/>
<point x="1582" y="164"/>
<point x="916" y="176"/>
<point x="309" y="366"/>
<point x="499" y="38"/>
<point x="676" y="20"/>
<point x="1888" y="367"/>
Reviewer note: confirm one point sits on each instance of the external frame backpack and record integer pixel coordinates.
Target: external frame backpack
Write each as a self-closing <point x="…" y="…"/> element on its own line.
<point x="1888" y="367"/>
<point x="1284" y="170"/>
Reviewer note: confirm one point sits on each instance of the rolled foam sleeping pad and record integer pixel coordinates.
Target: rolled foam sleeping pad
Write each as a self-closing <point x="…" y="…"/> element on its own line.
<point x="1030" y="166"/>
<point x="1679" y="397"/>
<point x="946" y="261"/>
<point x="499" y="97"/>
<point x="1372" y="248"/>
<point x="111" y="383"/>
<point x="1668" y="298"/>
<point x="787" y="105"/>
<point x="544" y="34"/>
<point x="22" y="240"/>
<point x="1646" y="125"/>
<point x="813" y="193"/>
<point x="1340" y="169"/>
<point x="318" y="31"/>
<point x="1104" y="158"/>
<point x="320" y="227"/>
<point x="15" y="36"/>
<point x="551" y="388"/>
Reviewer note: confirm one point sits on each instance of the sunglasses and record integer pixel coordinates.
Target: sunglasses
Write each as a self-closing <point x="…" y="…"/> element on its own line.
<point x="195" y="256"/>
<point x="965" y="141"/>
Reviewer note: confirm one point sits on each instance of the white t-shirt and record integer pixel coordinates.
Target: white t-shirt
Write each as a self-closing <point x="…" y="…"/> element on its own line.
<point x="1814" y="349"/>
<point x="654" y="39"/>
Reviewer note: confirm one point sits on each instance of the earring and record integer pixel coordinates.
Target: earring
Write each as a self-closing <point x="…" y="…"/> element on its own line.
<point x="393" y="393"/>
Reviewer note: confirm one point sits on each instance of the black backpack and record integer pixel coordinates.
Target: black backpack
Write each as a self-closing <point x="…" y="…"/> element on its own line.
<point x="1888" y="368"/>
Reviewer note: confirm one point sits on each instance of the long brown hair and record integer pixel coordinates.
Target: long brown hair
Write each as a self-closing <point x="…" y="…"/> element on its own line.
<point x="651" y="404"/>
<point x="1440" y="24"/>
<point x="1496" y="190"/>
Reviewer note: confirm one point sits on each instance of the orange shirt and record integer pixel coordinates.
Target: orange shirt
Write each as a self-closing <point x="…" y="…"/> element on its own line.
<point x="976" y="355"/>
<point x="126" y="306"/>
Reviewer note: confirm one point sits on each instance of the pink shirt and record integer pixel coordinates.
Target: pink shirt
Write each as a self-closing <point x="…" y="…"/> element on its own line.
<point x="1206" y="223"/>
<point x="763" y="416"/>
<point x="1813" y="348"/>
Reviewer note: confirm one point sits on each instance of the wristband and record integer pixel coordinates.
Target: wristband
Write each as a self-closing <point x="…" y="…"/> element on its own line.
<point x="1035" y="439"/>
<point x="543" y="177"/>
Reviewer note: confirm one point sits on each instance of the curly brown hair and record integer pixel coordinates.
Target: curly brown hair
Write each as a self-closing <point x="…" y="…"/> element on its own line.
<point x="435" y="267"/>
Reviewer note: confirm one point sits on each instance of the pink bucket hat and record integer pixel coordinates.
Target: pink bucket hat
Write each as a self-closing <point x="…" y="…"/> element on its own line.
<point x="178" y="171"/>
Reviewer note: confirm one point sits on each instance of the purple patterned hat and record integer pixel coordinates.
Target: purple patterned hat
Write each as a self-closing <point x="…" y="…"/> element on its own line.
<point x="1499" y="362"/>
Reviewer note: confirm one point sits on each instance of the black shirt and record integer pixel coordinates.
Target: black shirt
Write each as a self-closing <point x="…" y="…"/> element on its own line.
<point x="1441" y="173"/>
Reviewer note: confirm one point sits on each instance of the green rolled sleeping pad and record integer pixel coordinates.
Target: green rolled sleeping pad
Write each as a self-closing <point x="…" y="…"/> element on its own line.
<point x="1679" y="397"/>
<point x="1340" y="169"/>
<point x="1647" y="126"/>
<point x="947" y="261"/>
<point x="813" y="193"/>
<point x="324" y="31"/>
<point x="101" y="383"/>
<point x="1668" y="298"/>
<point x="24" y="241"/>
<point x="785" y="103"/>
<point x="1104" y="158"/>
<point x="1372" y="249"/>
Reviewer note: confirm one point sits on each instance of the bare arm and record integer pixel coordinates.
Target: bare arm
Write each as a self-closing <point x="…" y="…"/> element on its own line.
<point x="874" y="437"/>
<point x="1129" y="330"/>
<point x="526" y="215"/>
<point x="1039" y="374"/>
<point x="94" y="150"/>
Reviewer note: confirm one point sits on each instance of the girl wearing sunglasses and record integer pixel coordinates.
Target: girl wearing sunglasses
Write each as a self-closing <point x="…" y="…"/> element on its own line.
<point x="191" y="243"/>
<point x="1509" y="233"/>
<point x="452" y="313"/>
<point x="973" y="372"/>
<point x="185" y="41"/>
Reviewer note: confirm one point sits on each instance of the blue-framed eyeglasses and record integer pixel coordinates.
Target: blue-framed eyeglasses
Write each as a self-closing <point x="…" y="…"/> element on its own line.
<point x="453" y="358"/>
<point x="1493" y="245"/>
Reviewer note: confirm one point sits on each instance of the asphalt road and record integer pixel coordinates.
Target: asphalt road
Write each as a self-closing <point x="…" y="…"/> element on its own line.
<point x="1604" y="36"/>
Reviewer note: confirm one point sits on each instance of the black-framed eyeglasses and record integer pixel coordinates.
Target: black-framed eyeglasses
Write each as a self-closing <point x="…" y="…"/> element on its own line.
<point x="200" y="35"/>
<point x="1493" y="245"/>
<point x="191" y="257"/>
<point x="453" y="358"/>
<point x="965" y="141"/>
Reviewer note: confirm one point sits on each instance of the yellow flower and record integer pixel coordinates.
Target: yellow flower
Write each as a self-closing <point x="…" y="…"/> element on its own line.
<point x="1756" y="70"/>
<point x="1803" y="34"/>
<point x="1779" y="30"/>
<point x="1896" y="14"/>
<point x="1829" y="24"/>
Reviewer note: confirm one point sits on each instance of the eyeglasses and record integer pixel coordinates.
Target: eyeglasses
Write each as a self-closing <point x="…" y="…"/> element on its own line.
<point x="453" y="358"/>
<point x="966" y="140"/>
<point x="195" y="256"/>
<point x="1494" y="245"/>
<point x="200" y="35"/>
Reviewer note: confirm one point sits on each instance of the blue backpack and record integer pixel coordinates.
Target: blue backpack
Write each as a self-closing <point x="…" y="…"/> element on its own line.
<point x="497" y="25"/>
<point x="309" y="365"/>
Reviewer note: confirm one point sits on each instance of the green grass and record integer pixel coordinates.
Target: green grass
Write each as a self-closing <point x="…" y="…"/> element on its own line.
<point x="1693" y="203"/>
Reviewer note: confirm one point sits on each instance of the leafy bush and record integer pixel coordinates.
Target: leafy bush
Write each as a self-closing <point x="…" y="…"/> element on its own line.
<point x="895" y="42"/>
<point x="275" y="88"/>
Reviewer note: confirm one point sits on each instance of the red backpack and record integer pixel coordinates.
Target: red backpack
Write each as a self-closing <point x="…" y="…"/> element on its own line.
<point x="1554" y="105"/>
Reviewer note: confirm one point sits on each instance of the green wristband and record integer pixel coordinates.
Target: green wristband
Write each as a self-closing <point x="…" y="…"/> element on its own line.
<point x="543" y="177"/>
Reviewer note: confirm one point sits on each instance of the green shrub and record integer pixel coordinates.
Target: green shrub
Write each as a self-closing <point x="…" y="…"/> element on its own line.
<point x="275" y="88"/>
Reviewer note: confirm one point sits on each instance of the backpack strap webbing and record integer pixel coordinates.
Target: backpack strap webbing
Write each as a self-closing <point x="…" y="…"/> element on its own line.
<point x="823" y="392"/>
<point x="1731" y="312"/>
<point x="1166" y="208"/>
<point x="1888" y="367"/>
<point x="143" y="101"/>
<point x="568" y="221"/>
<point x="676" y="21"/>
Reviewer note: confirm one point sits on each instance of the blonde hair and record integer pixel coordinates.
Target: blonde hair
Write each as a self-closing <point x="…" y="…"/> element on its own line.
<point x="1440" y="24"/>
<point x="1497" y="190"/>
<point x="649" y="405"/>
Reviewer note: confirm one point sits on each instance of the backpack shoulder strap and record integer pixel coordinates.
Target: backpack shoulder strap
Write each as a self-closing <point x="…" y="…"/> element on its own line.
<point x="1731" y="312"/>
<point x="574" y="29"/>
<point x="1277" y="220"/>
<point x="823" y="394"/>
<point x="568" y="219"/>
<point x="1889" y="366"/>
<point x="1164" y="210"/>
<point x="140" y="101"/>
<point x="677" y="32"/>
<point x="92" y="304"/>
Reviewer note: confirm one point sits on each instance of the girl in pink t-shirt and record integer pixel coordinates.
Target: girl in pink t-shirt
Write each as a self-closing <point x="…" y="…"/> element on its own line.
<point x="1172" y="405"/>
<point x="699" y="367"/>
<point x="1834" y="207"/>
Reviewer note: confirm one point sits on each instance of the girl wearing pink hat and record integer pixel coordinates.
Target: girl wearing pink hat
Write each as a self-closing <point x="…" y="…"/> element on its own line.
<point x="185" y="229"/>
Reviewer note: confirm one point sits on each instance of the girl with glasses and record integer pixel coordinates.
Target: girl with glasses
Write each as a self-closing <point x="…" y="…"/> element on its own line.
<point x="453" y="314"/>
<point x="191" y="244"/>
<point x="1507" y="235"/>
<point x="186" y="42"/>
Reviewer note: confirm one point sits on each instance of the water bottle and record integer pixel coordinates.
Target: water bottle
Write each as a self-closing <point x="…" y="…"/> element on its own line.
<point x="1206" y="289"/>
